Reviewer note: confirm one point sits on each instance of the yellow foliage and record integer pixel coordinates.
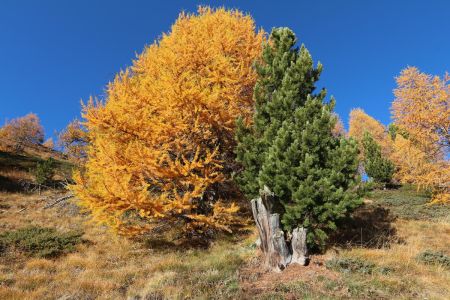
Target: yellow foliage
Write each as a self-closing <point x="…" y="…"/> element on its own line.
<point x="441" y="198"/>
<point x="161" y="145"/>
<point x="222" y="218"/>
<point x="338" y="129"/>
<point x="413" y="166"/>
<point x="74" y="140"/>
<point x="23" y="131"/>
<point x="422" y="110"/>
<point x="360" y="122"/>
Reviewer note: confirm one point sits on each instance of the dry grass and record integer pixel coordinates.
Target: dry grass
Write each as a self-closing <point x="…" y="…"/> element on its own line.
<point x="16" y="175"/>
<point x="108" y="266"/>
<point x="406" y="277"/>
<point x="112" y="267"/>
<point x="17" y="170"/>
<point x="392" y="272"/>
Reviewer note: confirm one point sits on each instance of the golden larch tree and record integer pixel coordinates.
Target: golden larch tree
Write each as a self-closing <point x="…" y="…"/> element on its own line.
<point x="161" y="144"/>
<point x="422" y="110"/>
<point x="23" y="131"/>
<point x="414" y="167"/>
<point x="74" y="140"/>
<point x="360" y="122"/>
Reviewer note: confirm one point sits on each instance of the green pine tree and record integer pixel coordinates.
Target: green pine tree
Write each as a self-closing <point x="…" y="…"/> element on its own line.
<point x="44" y="171"/>
<point x="290" y="147"/>
<point x="377" y="167"/>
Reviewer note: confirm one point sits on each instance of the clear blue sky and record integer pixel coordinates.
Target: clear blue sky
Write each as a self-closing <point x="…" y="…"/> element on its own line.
<point x="54" y="53"/>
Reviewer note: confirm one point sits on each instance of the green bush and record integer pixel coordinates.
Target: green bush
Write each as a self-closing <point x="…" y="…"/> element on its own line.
<point x="430" y="257"/>
<point x="377" y="167"/>
<point x="44" y="171"/>
<point x="40" y="242"/>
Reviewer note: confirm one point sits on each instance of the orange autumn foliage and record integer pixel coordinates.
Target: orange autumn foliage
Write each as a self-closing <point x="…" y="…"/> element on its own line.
<point x="21" y="132"/>
<point x="161" y="144"/>
<point x="422" y="109"/>
<point x="74" y="140"/>
<point x="49" y="143"/>
<point x="414" y="167"/>
<point x="360" y="122"/>
<point x="338" y="129"/>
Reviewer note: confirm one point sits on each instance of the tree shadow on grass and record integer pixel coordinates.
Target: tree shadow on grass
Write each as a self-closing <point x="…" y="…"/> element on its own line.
<point x="182" y="240"/>
<point x="11" y="186"/>
<point x="369" y="226"/>
<point x="162" y="244"/>
<point x="168" y="237"/>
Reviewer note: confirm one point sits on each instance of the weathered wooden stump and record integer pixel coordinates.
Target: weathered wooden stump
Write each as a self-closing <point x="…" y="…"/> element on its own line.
<point x="277" y="250"/>
<point x="299" y="247"/>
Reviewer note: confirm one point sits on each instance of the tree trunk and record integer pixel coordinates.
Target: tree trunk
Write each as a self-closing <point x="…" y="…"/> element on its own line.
<point x="278" y="253"/>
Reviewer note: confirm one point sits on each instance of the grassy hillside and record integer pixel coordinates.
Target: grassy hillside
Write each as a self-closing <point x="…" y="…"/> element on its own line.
<point x="394" y="247"/>
<point x="16" y="169"/>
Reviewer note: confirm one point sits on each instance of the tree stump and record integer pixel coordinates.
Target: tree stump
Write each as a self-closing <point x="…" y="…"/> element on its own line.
<point x="299" y="247"/>
<point x="278" y="252"/>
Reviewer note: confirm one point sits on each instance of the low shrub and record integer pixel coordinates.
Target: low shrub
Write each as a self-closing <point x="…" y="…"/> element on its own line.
<point x="350" y="265"/>
<point x="39" y="241"/>
<point x="430" y="257"/>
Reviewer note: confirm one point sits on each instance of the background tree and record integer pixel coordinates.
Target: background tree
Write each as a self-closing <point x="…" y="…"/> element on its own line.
<point x="377" y="166"/>
<point x="291" y="150"/>
<point x="74" y="140"/>
<point x="422" y="108"/>
<point x="161" y="144"/>
<point x="360" y="123"/>
<point x="49" y="143"/>
<point x="338" y="129"/>
<point x="23" y="131"/>
<point x="4" y="145"/>
<point x="421" y="111"/>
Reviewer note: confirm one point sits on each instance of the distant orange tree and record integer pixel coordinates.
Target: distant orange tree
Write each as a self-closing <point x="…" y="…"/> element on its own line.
<point x="360" y="123"/>
<point x="74" y="140"/>
<point x="161" y="144"/>
<point x="49" y="143"/>
<point x="338" y="129"/>
<point x="421" y="110"/>
<point x="23" y="131"/>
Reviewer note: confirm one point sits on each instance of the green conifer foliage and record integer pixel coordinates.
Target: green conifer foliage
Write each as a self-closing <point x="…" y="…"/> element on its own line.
<point x="377" y="167"/>
<point x="290" y="147"/>
<point x="44" y="171"/>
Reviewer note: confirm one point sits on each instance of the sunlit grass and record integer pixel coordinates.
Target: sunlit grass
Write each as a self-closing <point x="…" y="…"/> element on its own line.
<point x="112" y="267"/>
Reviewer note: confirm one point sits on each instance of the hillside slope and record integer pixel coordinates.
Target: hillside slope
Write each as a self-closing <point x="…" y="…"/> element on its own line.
<point x="389" y="250"/>
<point x="16" y="169"/>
